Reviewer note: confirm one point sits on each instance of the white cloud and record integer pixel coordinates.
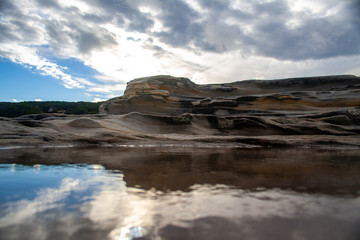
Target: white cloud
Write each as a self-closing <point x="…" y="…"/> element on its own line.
<point x="317" y="8"/>
<point x="28" y="57"/>
<point x="254" y="67"/>
<point x="107" y="88"/>
<point x="98" y="99"/>
<point x="207" y="41"/>
<point x="37" y="99"/>
<point x="45" y="199"/>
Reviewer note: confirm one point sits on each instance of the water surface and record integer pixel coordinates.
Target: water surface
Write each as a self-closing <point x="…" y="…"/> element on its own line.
<point x="118" y="193"/>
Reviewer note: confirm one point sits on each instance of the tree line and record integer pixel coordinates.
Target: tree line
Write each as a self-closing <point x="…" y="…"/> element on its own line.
<point x="8" y="109"/>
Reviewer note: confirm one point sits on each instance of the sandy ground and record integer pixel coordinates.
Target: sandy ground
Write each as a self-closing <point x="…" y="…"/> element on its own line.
<point x="141" y="130"/>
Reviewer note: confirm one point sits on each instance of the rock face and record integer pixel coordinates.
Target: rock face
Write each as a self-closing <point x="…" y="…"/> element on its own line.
<point x="169" y="111"/>
<point x="298" y="106"/>
<point x="166" y="95"/>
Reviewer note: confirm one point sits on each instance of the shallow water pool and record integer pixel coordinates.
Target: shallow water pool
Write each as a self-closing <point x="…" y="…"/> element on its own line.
<point x="155" y="193"/>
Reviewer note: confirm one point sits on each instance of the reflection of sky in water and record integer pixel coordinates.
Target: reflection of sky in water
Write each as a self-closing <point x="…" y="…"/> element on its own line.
<point x="89" y="202"/>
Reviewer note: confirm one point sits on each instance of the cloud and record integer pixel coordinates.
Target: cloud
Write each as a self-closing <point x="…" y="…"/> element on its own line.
<point x="75" y="37"/>
<point x="180" y="25"/>
<point x="46" y="199"/>
<point x="98" y="99"/>
<point x="273" y="29"/>
<point x="313" y="37"/>
<point x="211" y="40"/>
<point x="24" y="38"/>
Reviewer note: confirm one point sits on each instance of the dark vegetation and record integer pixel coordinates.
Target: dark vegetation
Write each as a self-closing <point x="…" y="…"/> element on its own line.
<point x="8" y="109"/>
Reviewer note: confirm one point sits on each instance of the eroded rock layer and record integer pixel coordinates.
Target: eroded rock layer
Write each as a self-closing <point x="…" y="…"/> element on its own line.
<point x="168" y="111"/>
<point x="168" y="95"/>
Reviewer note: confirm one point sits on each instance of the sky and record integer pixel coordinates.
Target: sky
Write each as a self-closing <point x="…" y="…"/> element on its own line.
<point x="87" y="50"/>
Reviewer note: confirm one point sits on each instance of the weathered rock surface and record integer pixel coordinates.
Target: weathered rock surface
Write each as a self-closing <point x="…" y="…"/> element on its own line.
<point x="174" y="96"/>
<point x="169" y="111"/>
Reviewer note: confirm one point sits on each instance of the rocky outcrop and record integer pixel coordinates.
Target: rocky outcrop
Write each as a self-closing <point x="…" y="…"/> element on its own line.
<point x="298" y="106"/>
<point x="168" y="95"/>
<point x="169" y="111"/>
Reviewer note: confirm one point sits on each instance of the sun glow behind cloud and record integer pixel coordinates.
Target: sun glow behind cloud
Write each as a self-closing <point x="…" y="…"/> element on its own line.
<point x="206" y="41"/>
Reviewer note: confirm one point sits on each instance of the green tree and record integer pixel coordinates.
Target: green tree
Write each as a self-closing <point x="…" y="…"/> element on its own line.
<point x="23" y="108"/>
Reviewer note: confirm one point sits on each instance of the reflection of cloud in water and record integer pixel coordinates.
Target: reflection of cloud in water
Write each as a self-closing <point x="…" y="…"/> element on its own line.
<point x="139" y="211"/>
<point x="101" y="206"/>
<point x="221" y="201"/>
<point x="20" y="211"/>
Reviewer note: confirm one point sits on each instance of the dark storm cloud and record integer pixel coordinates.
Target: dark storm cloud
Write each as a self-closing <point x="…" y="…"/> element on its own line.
<point x="48" y="3"/>
<point x="317" y="38"/>
<point x="28" y="32"/>
<point x="17" y="28"/>
<point x="216" y="5"/>
<point x="121" y="12"/>
<point x="6" y="6"/>
<point x="87" y="41"/>
<point x="314" y="38"/>
<point x="140" y="23"/>
<point x="7" y="34"/>
<point x="274" y="9"/>
<point x="96" y="19"/>
<point x="182" y="26"/>
<point x="57" y="33"/>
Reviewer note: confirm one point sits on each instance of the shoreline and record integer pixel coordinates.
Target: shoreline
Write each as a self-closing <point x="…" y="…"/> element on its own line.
<point x="322" y="142"/>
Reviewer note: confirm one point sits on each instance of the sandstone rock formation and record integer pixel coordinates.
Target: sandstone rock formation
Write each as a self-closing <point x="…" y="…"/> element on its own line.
<point x="168" y="95"/>
<point x="298" y="112"/>
<point x="314" y="105"/>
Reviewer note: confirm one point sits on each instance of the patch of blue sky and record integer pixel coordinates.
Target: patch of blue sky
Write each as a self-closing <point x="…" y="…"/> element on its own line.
<point x="21" y="83"/>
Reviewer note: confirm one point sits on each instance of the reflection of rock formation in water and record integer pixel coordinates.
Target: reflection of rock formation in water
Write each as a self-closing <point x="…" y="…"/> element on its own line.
<point x="245" y="194"/>
<point x="303" y="170"/>
<point x="162" y="109"/>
